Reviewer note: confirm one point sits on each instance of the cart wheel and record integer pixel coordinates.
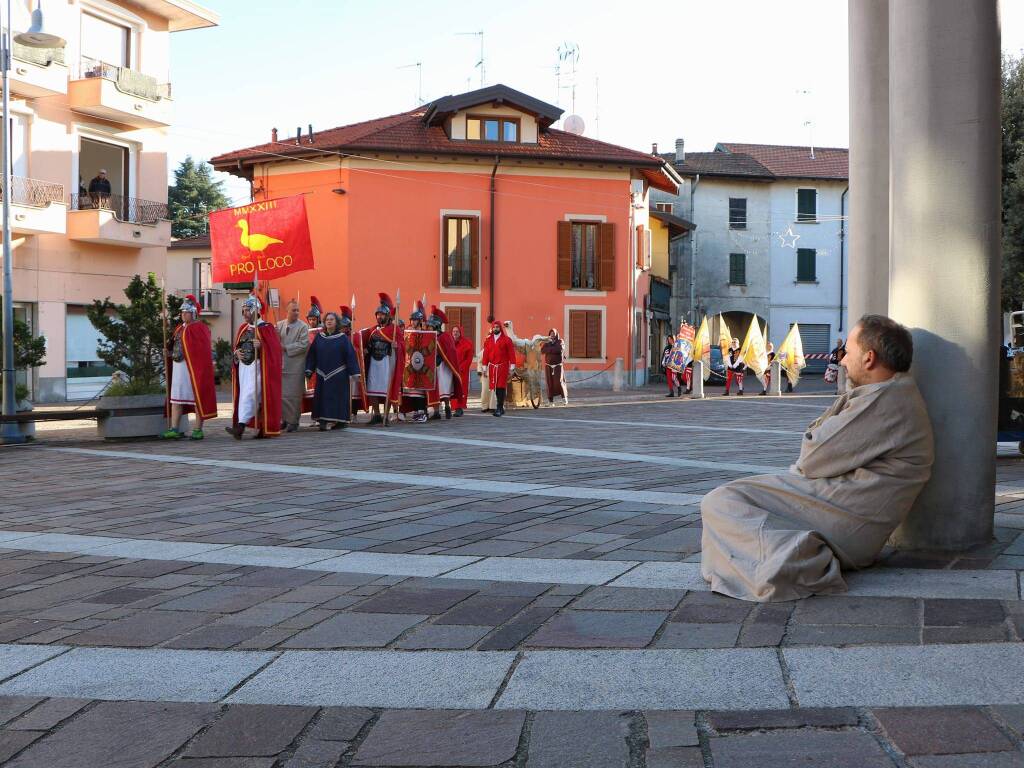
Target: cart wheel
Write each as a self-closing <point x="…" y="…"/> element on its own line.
<point x="1020" y="446"/>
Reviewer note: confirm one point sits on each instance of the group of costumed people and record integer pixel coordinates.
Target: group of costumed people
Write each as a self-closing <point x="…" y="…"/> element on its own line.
<point x="755" y="355"/>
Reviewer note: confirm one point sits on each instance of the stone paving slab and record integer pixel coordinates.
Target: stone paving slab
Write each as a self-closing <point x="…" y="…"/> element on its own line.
<point x="277" y="557"/>
<point x="906" y="676"/>
<point x="898" y="582"/>
<point x="428" y="679"/>
<point x="541" y="570"/>
<point x="15" y="659"/>
<point x="152" y="675"/>
<point x="392" y="565"/>
<point x="663" y="576"/>
<point x="663" y="679"/>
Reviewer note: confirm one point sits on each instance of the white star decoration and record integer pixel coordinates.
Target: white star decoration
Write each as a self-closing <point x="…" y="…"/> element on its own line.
<point x="788" y="238"/>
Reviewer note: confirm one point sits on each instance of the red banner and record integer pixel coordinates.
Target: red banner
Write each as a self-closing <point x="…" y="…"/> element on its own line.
<point x="267" y="239"/>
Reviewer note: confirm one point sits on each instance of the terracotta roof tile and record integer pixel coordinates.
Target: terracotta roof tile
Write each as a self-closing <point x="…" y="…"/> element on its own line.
<point x="795" y="162"/>
<point x="720" y="164"/>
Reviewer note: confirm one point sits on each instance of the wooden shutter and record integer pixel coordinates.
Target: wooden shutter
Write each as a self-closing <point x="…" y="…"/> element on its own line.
<point x="468" y="322"/>
<point x="606" y="257"/>
<point x="593" y="334"/>
<point x="577" y="333"/>
<point x="640" y="246"/>
<point x="474" y="242"/>
<point x="564" y="255"/>
<point x="445" y="250"/>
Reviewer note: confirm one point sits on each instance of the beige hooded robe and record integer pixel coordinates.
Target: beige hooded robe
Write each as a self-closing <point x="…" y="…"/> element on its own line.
<point x="787" y="536"/>
<point x="294" y="344"/>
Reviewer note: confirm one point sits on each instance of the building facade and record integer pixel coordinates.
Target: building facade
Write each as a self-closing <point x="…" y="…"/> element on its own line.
<point x="477" y="202"/>
<point x="102" y="103"/>
<point x="770" y="239"/>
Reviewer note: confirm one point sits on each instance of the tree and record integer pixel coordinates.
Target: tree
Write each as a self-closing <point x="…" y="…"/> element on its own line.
<point x="134" y="333"/>
<point x="1013" y="182"/>
<point x="192" y="197"/>
<point x="29" y="351"/>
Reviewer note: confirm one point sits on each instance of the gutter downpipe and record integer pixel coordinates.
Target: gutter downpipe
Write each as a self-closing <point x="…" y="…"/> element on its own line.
<point x="842" y="251"/>
<point x="490" y="279"/>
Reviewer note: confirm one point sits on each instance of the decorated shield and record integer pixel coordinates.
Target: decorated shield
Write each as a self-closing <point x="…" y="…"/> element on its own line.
<point x="682" y="352"/>
<point x="420" y="372"/>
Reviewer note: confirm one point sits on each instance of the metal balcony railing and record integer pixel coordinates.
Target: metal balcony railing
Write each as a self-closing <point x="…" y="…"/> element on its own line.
<point x="129" y="81"/>
<point x="127" y="209"/>
<point x="34" y="193"/>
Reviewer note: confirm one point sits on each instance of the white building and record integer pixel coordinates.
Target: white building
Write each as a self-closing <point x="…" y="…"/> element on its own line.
<point x="770" y="239"/>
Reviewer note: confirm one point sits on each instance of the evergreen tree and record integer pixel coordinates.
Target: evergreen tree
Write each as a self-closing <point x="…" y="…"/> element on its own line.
<point x="1013" y="182"/>
<point x="192" y="197"/>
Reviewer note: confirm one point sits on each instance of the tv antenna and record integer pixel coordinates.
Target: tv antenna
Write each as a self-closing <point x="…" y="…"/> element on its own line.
<point x="419" y="74"/>
<point x="568" y="55"/>
<point x="480" y="64"/>
<point x="808" y="123"/>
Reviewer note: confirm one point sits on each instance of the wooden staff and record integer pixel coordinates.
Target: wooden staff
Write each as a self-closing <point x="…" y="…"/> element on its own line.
<point x="163" y="324"/>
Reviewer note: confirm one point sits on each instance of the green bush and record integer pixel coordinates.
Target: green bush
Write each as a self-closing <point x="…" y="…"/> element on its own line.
<point x="29" y="352"/>
<point x="131" y="388"/>
<point x="222" y="356"/>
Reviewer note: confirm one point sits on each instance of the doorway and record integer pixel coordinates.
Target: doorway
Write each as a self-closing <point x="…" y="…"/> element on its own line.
<point x="95" y="156"/>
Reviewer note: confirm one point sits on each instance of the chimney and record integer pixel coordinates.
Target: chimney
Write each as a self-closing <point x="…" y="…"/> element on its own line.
<point x="680" y="151"/>
<point x="654" y="148"/>
<point x="310" y="139"/>
<point x="298" y="135"/>
<point x="273" y="135"/>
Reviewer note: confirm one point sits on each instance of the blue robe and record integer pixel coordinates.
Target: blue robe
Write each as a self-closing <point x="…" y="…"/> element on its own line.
<point x="333" y="360"/>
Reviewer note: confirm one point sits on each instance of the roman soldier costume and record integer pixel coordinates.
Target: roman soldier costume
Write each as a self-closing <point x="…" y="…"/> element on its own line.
<point x="417" y="400"/>
<point x="383" y="358"/>
<point x="499" y="359"/>
<point x="256" y="375"/>
<point x="189" y="369"/>
<point x="314" y="319"/>
<point x="449" y="377"/>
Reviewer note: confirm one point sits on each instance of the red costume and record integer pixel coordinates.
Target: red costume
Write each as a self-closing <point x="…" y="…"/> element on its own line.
<point x="499" y="354"/>
<point x="268" y="420"/>
<point x="359" y="400"/>
<point x="384" y="340"/>
<point x="447" y="352"/>
<point x="464" y="353"/>
<point x="197" y="348"/>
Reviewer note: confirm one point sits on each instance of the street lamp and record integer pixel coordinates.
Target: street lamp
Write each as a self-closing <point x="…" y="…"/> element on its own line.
<point x="36" y="37"/>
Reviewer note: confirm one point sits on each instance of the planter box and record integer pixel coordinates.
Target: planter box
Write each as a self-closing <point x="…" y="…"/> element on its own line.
<point x="135" y="416"/>
<point x="26" y="428"/>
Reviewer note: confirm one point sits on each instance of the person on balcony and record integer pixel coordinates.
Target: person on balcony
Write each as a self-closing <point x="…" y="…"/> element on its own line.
<point x="99" y="189"/>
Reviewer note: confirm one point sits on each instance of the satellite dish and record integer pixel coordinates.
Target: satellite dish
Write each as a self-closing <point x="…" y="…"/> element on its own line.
<point x="575" y="124"/>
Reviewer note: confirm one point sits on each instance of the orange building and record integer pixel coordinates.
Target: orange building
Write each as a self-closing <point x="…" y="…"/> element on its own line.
<point x="478" y="202"/>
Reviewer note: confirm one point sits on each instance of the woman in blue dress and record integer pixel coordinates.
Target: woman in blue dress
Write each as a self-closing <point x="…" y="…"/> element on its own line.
<point x="332" y="358"/>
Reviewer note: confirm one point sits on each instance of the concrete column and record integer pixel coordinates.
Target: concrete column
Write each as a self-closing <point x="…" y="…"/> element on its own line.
<point x="775" y="387"/>
<point x="697" y="381"/>
<point x="945" y="213"/>
<point x="868" y="229"/>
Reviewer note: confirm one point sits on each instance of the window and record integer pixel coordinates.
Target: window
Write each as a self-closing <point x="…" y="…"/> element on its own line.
<point x="464" y="316"/>
<point x="461" y="267"/>
<point x="586" y="256"/>
<point x="492" y="129"/>
<point x="585" y="333"/>
<point x="807" y="205"/>
<point x="737" y="269"/>
<point x="737" y="213"/>
<point x="643" y="247"/>
<point x="806" y="266"/>
<point x="202" y="276"/>
<point x="106" y="42"/>
<point x="666" y="207"/>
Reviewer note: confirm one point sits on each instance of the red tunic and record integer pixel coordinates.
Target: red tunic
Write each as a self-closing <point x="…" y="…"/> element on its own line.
<point x="387" y="332"/>
<point x="446" y="348"/>
<point x="195" y="340"/>
<point x="464" y="352"/>
<point x="499" y="354"/>
<point x="268" y="421"/>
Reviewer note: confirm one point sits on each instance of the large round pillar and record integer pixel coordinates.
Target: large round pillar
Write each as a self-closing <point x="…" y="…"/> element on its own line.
<point x="944" y="81"/>
<point x="869" y="158"/>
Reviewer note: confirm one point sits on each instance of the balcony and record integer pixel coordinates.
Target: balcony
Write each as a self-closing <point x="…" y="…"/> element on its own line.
<point x="37" y="72"/>
<point x="37" y="207"/>
<point x="125" y="222"/>
<point x="120" y="94"/>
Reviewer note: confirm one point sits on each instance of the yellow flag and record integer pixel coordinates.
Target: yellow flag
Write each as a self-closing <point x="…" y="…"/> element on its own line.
<point x="702" y="347"/>
<point x="791" y="355"/>
<point x="724" y="336"/>
<point x="753" y="352"/>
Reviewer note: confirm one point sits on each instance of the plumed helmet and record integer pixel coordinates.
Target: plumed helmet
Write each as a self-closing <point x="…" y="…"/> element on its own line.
<point x="417" y="313"/>
<point x="346" y="316"/>
<point x="191" y="304"/>
<point x="387" y="306"/>
<point x="315" y="308"/>
<point x="252" y="302"/>
<point x="437" y="317"/>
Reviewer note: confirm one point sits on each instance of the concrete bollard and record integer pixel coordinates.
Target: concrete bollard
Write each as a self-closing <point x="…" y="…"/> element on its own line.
<point x="617" y="373"/>
<point x="775" y="388"/>
<point x="698" y="380"/>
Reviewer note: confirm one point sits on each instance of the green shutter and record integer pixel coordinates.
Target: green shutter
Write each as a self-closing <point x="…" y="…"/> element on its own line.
<point x="737" y="269"/>
<point x="807" y="205"/>
<point x="806" y="266"/>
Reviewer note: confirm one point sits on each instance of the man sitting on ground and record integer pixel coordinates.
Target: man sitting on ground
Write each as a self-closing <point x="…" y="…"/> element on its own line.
<point x="861" y="465"/>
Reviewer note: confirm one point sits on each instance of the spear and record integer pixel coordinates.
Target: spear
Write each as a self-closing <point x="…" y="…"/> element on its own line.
<point x="167" y="376"/>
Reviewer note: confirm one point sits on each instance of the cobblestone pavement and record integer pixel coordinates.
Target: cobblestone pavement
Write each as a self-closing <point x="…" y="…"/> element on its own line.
<point x="481" y="592"/>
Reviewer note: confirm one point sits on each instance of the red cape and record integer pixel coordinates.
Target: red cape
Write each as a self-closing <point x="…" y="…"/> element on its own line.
<point x="196" y="341"/>
<point x="465" y="352"/>
<point x="388" y="333"/>
<point x="268" y="421"/>
<point x="499" y="353"/>
<point x="359" y="399"/>
<point x="446" y="346"/>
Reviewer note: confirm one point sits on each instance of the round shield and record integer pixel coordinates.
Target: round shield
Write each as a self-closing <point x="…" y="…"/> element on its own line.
<point x="417" y="361"/>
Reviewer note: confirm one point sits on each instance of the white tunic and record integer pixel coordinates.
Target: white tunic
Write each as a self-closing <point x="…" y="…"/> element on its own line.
<point x="378" y="376"/>
<point x="444" y="379"/>
<point x="249" y="391"/>
<point x="181" y="384"/>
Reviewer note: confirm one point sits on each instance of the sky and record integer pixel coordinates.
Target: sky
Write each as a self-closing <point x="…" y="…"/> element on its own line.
<point x="702" y="70"/>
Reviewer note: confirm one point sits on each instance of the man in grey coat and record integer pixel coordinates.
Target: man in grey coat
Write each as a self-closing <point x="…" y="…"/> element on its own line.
<point x="294" y="336"/>
<point x="861" y="466"/>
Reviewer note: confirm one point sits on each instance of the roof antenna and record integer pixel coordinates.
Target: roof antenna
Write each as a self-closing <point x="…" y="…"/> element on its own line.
<point x="808" y="122"/>
<point x="310" y="139"/>
<point x="419" y="72"/>
<point x="480" y="64"/>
